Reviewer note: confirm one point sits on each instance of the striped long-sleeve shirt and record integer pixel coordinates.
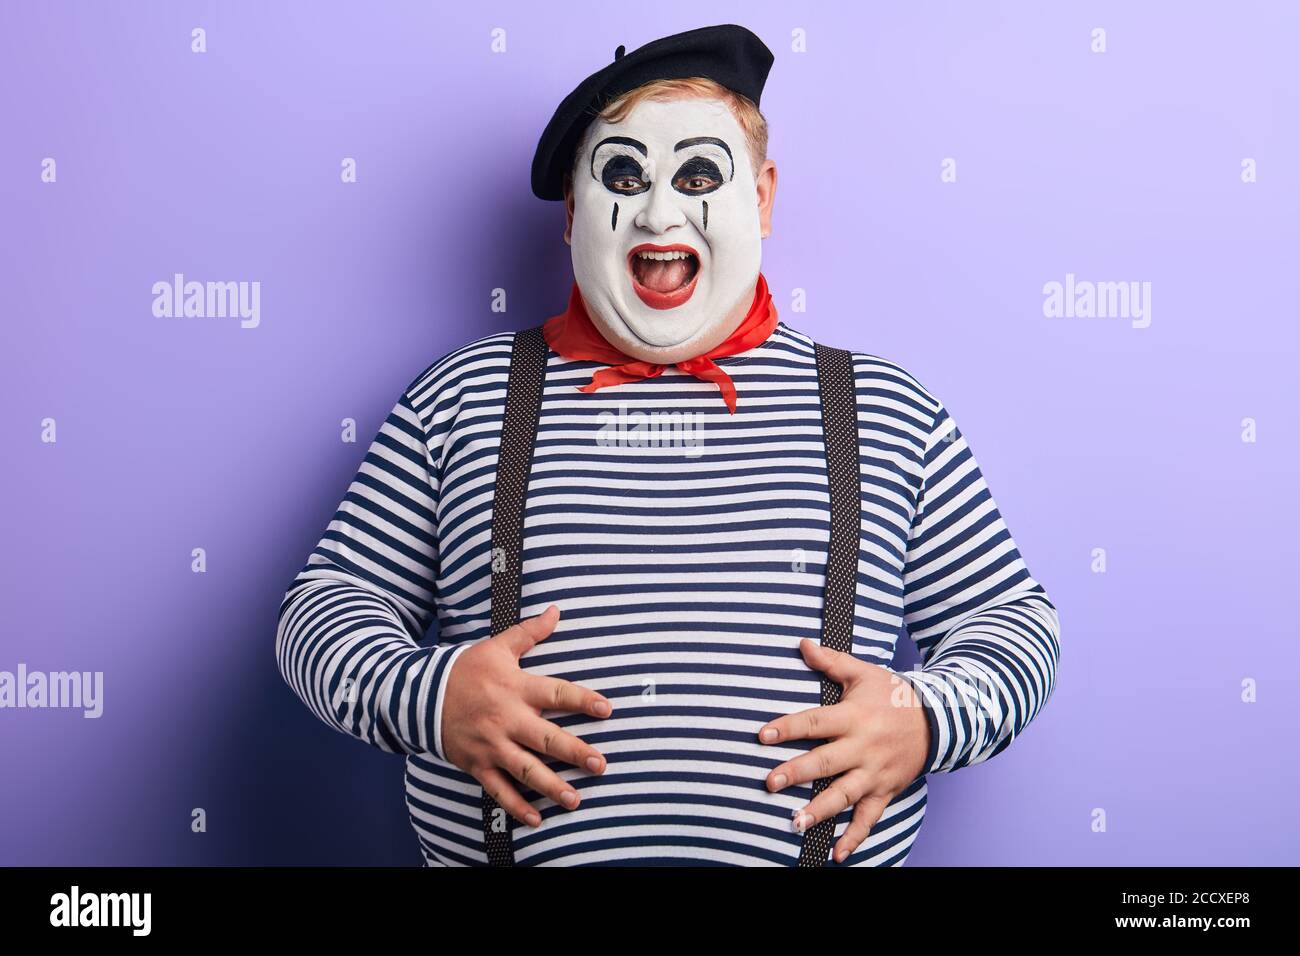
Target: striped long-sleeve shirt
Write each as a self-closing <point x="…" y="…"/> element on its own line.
<point x="685" y="548"/>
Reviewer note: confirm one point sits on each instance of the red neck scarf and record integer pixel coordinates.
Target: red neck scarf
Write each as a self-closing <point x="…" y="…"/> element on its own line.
<point x="573" y="335"/>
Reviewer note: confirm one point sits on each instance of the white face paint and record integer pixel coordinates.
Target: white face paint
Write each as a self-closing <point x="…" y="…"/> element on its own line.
<point x="674" y="180"/>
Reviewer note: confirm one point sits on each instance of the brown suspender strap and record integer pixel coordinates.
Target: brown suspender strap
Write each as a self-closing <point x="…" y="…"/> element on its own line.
<point x="515" y="461"/>
<point x="840" y="433"/>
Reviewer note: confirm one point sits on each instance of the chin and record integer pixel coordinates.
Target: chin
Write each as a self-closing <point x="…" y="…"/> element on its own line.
<point x="653" y="327"/>
<point x="661" y="328"/>
<point x="653" y="335"/>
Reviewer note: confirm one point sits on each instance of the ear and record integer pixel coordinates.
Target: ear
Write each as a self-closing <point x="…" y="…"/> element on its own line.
<point x="766" y="197"/>
<point x="568" y="211"/>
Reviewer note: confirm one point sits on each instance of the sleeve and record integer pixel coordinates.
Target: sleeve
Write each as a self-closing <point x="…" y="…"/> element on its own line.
<point x="350" y="620"/>
<point x="987" y="633"/>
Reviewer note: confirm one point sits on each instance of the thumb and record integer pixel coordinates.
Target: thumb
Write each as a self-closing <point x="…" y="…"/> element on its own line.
<point x="524" y="636"/>
<point x="836" y="665"/>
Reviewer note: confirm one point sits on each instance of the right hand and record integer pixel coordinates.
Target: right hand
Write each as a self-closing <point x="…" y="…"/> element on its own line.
<point x="492" y="726"/>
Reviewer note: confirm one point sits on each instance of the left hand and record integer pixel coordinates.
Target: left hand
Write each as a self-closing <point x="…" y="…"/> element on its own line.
<point x="877" y="739"/>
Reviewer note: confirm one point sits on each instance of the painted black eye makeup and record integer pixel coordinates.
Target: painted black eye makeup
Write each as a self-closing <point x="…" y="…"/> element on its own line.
<point x="704" y="146"/>
<point x="620" y="171"/>
<point x="618" y="163"/>
<point x="624" y="175"/>
<point x="698" y="176"/>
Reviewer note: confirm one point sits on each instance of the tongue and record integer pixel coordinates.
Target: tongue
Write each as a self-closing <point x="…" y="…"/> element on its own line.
<point x="662" y="275"/>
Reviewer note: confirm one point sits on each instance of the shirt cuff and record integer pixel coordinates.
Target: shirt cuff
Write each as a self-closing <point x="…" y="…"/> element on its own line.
<point x="946" y="734"/>
<point x="440" y="664"/>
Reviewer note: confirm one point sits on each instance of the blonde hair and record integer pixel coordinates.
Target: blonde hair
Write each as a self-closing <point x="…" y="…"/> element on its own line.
<point x="699" y="87"/>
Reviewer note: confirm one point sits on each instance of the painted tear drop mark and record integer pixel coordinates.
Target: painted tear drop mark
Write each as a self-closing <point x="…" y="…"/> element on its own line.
<point x="705" y="203"/>
<point x="613" y="220"/>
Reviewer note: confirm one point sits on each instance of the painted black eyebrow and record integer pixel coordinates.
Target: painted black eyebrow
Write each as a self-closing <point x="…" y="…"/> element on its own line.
<point x="623" y="141"/>
<point x="698" y="140"/>
<point x="618" y="141"/>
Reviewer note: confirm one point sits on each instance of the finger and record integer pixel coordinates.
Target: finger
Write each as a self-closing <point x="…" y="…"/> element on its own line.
<point x="824" y="761"/>
<point x="528" y="633"/>
<point x="842" y="793"/>
<point x="837" y="665"/>
<point x="529" y="770"/>
<point x="552" y="693"/>
<point x="496" y="785"/>
<point x="544" y="737"/>
<point x="818" y="723"/>
<point x="865" y="816"/>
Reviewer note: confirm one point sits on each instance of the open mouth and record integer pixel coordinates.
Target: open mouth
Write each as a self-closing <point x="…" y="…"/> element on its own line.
<point x="663" y="276"/>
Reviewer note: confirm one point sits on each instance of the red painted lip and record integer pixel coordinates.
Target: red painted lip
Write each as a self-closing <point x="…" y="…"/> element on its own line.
<point x="664" y="300"/>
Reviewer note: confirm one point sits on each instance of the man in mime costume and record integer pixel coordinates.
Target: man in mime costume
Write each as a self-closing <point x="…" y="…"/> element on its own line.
<point x="669" y="541"/>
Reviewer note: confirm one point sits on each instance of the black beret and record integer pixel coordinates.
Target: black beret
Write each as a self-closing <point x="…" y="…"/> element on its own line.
<point x="728" y="54"/>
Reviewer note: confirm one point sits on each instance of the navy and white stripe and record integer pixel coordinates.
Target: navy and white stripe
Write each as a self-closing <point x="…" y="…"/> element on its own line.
<point x="685" y="582"/>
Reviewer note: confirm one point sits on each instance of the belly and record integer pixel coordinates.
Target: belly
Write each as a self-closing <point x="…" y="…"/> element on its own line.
<point x="685" y="770"/>
<point x="684" y="782"/>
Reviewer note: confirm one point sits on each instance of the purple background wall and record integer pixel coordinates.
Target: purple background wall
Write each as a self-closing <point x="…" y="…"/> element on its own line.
<point x="182" y="433"/>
